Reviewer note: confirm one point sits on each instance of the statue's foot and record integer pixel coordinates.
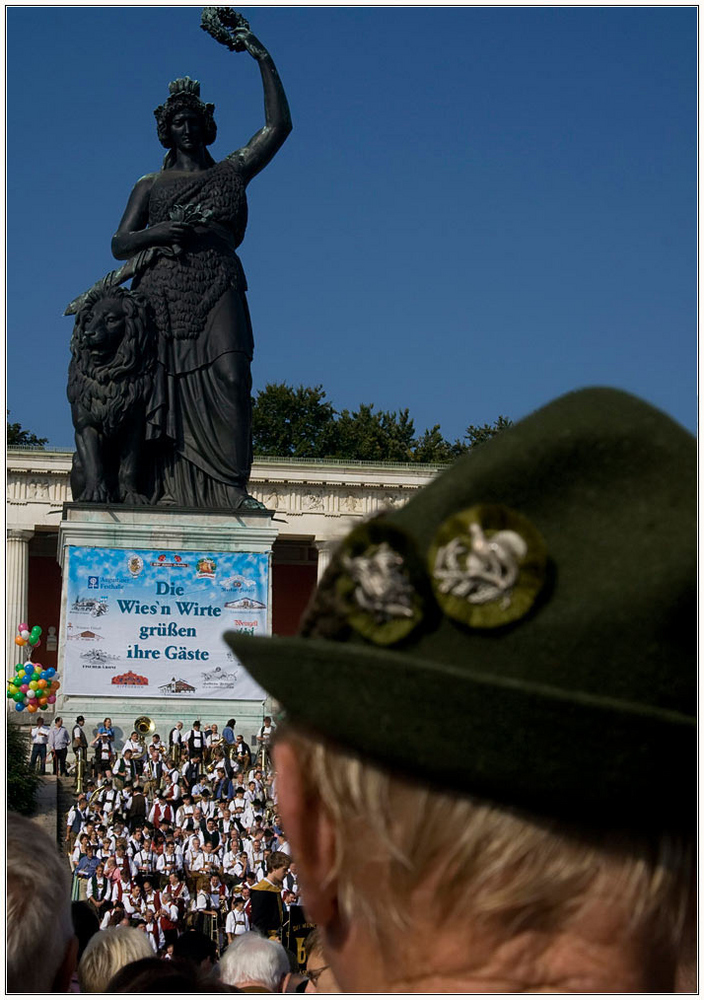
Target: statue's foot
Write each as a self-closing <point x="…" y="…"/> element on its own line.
<point x="166" y="501"/>
<point x="96" y="493"/>
<point x="134" y="499"/>
<point x="249" y="503"/>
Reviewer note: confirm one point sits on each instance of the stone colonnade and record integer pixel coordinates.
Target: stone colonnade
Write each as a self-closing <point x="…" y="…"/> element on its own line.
<point x="17" y="586"/>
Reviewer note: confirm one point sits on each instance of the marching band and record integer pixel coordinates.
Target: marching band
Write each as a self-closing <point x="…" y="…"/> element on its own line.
<point x="177" y="834"/>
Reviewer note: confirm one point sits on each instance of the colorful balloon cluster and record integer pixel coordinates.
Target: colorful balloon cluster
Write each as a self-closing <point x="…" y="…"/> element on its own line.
<point x="28" y="637"/>
<point x="32" y="687"/>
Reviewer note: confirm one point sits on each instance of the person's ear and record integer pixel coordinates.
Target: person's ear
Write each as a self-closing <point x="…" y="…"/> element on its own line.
<point x="311" y="833"/>
<point x="62" y="979"/>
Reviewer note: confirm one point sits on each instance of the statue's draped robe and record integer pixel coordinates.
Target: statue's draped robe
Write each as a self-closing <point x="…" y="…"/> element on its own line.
<point x="200" y="416"/>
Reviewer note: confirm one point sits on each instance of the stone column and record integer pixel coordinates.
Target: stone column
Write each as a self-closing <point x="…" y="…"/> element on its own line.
<point x="323" y="557"/>
<point x="17" y="594"/>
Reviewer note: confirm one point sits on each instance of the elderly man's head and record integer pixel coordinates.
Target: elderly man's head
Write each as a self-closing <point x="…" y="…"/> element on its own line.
<point x="377" y="852"/>
<point x="500" y="679"/>
<point x="254" y="961"/>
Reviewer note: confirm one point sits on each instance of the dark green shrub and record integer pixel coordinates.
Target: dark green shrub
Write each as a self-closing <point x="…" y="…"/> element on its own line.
<point x="21" y="782"/>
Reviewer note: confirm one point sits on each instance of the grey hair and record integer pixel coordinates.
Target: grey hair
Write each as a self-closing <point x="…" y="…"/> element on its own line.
<point x="33" y="905"/>
<point x="253" y="958"/>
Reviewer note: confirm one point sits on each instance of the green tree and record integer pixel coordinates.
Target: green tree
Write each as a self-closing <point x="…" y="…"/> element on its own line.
<point x="375" y="436"/>
<point x="478" y="434"/>
<point x="302" y="423"/>
<point x="433" y="448"/>
<point x="293" y="423"/>
<point x="17" y="435"/>
<point x="21" y="782"/>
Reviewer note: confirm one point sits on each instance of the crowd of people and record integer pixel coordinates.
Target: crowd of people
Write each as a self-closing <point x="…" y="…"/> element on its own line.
<point x="175" y="834"/>
<point x="78" y="956"/>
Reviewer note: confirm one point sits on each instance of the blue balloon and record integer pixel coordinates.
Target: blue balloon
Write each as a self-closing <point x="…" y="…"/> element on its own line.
<point x="29" y="668"/>
<point x="19" y="706"/>
<point x="43" y="675"/>
<point x="50" y="672"/>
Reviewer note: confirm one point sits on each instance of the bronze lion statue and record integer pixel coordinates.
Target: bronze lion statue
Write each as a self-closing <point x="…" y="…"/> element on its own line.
<point x="109" y="384"/>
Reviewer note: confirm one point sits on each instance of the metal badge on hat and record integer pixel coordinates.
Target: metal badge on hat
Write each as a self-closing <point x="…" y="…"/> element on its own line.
<point x="485" y="568"/>
<point x="487" y="565"/>
<point x="379" y="583"/>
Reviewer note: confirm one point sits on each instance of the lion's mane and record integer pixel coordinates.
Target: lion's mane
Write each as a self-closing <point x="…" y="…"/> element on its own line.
<point x="108" y="389"/>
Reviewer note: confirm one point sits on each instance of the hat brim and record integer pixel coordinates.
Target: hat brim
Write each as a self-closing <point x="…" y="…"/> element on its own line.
<point x="398" y="700"/>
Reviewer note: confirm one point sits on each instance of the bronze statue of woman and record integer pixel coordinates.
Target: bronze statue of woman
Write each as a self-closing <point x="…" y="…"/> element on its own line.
<point x="192" y="216"/>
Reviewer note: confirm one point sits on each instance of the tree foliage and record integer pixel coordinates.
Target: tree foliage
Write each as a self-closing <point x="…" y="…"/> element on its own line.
<point x="290" y="422"/>
<point x="293" y="423"/>
<point x="17" y="435"/>
<point x="21" y="782"/>
<point x="432" y="447"/>
<point x="478" y="434"/>
<point x="375" y="436"/>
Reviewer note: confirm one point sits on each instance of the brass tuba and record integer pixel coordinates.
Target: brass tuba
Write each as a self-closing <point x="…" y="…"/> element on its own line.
<point x="145" y="727"/>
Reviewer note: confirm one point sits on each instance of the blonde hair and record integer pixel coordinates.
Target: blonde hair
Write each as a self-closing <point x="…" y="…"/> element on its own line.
<point x="508" y="869"/>
<point x="109" y="951"/>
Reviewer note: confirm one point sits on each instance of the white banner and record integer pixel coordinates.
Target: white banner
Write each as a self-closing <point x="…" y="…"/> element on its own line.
<point x="150" y="624"/>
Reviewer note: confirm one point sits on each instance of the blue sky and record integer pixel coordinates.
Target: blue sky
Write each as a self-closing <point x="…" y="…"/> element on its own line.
<point x="478" y="208"/>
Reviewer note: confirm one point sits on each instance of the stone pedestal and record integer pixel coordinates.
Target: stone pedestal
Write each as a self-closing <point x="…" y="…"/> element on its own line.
<point x="17" y="581"/>
<point x="90" y="526"/>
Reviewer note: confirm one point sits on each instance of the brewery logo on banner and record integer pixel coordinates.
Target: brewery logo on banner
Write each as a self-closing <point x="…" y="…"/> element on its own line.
<point x="150" y="624"/>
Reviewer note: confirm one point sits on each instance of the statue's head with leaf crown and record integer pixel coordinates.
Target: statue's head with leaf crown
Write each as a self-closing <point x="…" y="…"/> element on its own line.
<point x="184" y="94"/>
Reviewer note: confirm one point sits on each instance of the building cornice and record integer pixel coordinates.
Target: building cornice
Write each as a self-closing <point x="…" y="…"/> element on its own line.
<point x="318" y="499"/>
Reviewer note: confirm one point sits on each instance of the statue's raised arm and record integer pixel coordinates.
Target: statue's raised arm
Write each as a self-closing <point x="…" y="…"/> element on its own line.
<point x="232" y="30"/>
<point x="179" y="236"/>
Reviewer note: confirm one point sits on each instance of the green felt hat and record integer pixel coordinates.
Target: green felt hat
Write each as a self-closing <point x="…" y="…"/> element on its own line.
<point x="524" y="628"/>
